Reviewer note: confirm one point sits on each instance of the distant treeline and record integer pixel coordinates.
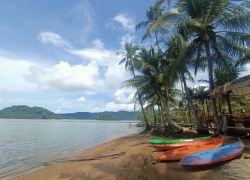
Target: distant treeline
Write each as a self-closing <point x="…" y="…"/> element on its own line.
<point x="25" y="112"/>
<point x="122" y="115"/>
<point x="107" y="117"/>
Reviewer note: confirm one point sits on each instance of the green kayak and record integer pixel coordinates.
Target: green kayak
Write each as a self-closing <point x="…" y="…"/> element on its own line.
<point x="171" y="141"/>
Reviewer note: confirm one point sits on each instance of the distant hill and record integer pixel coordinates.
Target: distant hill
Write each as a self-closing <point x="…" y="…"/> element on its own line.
<point x="107" y="117"/>
<point x="122" y="115"/>
<point x="25" y="112"/>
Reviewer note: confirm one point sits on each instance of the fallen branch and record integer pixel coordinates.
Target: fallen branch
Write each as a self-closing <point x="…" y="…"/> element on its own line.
<point x="112" y="156"/>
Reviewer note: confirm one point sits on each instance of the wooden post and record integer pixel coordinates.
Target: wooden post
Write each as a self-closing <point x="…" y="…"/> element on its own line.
<point x="229" y="110"/>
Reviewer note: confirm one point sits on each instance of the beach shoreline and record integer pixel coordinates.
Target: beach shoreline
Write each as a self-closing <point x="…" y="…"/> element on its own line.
<point x="129" y="157"/>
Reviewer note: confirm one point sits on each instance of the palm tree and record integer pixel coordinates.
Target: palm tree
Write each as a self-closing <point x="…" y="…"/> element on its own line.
<point x="223" y="76"/>
<point x="180" y="55"/>
<point x="154" y="21"/>
<point x="220" y="27"/>
<point x="151" y="70"/>
<point x="129" y="57"/>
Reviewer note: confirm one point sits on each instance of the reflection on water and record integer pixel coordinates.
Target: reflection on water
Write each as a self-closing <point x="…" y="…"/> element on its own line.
<point x="25" y="144"/>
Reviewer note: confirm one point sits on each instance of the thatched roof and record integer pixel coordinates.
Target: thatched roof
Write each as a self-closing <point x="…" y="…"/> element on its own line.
<point x="239" y="87"/>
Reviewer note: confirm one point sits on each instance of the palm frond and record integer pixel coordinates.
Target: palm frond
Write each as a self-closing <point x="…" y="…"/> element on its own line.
<point x="142" y="24"/>
<point x="241" y="38"/>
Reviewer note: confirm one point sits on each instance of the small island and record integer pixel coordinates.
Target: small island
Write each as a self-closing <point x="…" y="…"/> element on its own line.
<point x="107" y="117"/>
<point x="25" y="112"/>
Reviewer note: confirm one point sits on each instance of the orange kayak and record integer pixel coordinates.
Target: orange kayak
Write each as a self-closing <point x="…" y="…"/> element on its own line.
<point x="179" y="153"/>
<point x="165" y="147"/>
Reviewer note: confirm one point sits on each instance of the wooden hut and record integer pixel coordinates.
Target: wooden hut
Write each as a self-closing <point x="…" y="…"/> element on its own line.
<point x="230" y="121"/>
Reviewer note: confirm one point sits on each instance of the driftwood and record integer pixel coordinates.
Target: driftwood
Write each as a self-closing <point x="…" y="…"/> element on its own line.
<point x="111" y="156"/>
<point x="246" y="156"/>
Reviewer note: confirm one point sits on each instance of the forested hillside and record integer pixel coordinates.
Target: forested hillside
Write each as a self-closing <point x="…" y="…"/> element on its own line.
<point x="25" y="112"/>
<point x="122" y="115"/>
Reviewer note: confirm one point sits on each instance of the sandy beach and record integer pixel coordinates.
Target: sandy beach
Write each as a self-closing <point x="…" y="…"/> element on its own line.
<point x="133" y="158"/>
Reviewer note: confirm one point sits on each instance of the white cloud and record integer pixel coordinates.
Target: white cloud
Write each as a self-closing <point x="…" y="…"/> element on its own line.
<point x="111" y="106"/>
<point x="12" y="73"/>
<point x="57" y="111"/>
<point x="126" y="38"/>
<point x="126" y="21"/>
<point x="84" y="78"/>
<point x="118" y="107"/>
<point x="89" y="93"/>
<point x="98" y="44"/>
<point x="81" y="99"/>
<point x="64" y="77"/>
<point x="120" y="97"/>
<point x="61" y="99"/>
<point x="115" y="75"/>
<point x="91" y="53"/>
<point x="53" y="38"/>
<point x="82" y="15"/>
<point x="121" y="102"/>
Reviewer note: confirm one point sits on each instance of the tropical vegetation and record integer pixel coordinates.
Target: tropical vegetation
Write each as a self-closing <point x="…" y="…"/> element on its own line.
<point x="122" y="115"/>
<point x="189" y="37"/>
<point x="107" y="117"/>
<point x="25" y="112"/>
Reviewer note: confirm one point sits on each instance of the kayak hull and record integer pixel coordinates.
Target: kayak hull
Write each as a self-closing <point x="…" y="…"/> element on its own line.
<point x="165" y="147"/>
<point x="171" y="141"/>
<point x="217" y="155"/>
<point x="179" y="153"/>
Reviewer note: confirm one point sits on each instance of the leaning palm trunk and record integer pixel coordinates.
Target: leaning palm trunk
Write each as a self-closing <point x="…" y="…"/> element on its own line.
<point x="200" y="126"/>
<point x="143" y="112"/>
<point x="166" y="107"/>
<point x="155" y="120"/>
<point x="210" y="78"/>
<point x="160" y="112"/>
<point x="142" y="108"/>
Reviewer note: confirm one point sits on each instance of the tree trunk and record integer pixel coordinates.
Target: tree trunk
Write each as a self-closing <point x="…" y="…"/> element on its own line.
<point x="143" y="112"/>
<point x="165" y="105"/>
<point x="142" y="108"/>
<point x="200" y="126"/>
<point x="211" y="86"/>
<point x="154" y="114"/>
<point x="160" y="111"/>
<point x="157" y="42"/>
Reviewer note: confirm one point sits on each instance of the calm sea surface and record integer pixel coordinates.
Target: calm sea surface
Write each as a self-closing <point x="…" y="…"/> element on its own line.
<point x="28" y="144"/>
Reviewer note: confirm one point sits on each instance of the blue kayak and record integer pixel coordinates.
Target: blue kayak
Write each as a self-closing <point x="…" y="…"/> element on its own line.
<point x="216" y="155"/>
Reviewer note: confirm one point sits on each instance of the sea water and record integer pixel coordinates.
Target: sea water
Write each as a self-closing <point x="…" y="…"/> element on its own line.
<point x="28" y="144"/>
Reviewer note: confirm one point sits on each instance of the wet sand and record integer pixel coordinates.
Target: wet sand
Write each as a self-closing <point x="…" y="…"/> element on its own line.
<point x="133" y="158"/>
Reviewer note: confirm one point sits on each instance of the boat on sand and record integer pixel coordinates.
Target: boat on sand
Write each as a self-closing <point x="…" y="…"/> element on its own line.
<point x="165" y="147"/>
<point x="170" y="141"/>
<point x="179" y="153"/>
<point x="216" y="155"/>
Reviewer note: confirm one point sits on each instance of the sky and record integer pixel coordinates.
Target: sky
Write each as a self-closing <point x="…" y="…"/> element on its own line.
<point x="61" y="55"/>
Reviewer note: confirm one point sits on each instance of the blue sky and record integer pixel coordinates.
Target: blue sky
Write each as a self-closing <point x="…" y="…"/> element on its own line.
<point x="61" y="55"/>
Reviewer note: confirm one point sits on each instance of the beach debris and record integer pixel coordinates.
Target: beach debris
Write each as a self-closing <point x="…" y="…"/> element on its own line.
<point x="111" y="156"/>
<point x="246" y="156"/>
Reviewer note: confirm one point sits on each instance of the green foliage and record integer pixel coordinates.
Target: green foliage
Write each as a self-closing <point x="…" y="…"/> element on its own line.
<point x="107" y="117"/>
<point x="122" y="115"/>
<point x="25" y="112"/>
<point x="149" y="116"/>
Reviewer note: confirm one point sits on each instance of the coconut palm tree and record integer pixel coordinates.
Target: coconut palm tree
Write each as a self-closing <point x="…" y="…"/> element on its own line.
<point x="223" y="76"/>
<point x="180" y="55"/>
<point x="151" y="70"/>
<point x="129" y="57"/>
<point x="154" y="21"/>
<point x="220" y="27"/>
